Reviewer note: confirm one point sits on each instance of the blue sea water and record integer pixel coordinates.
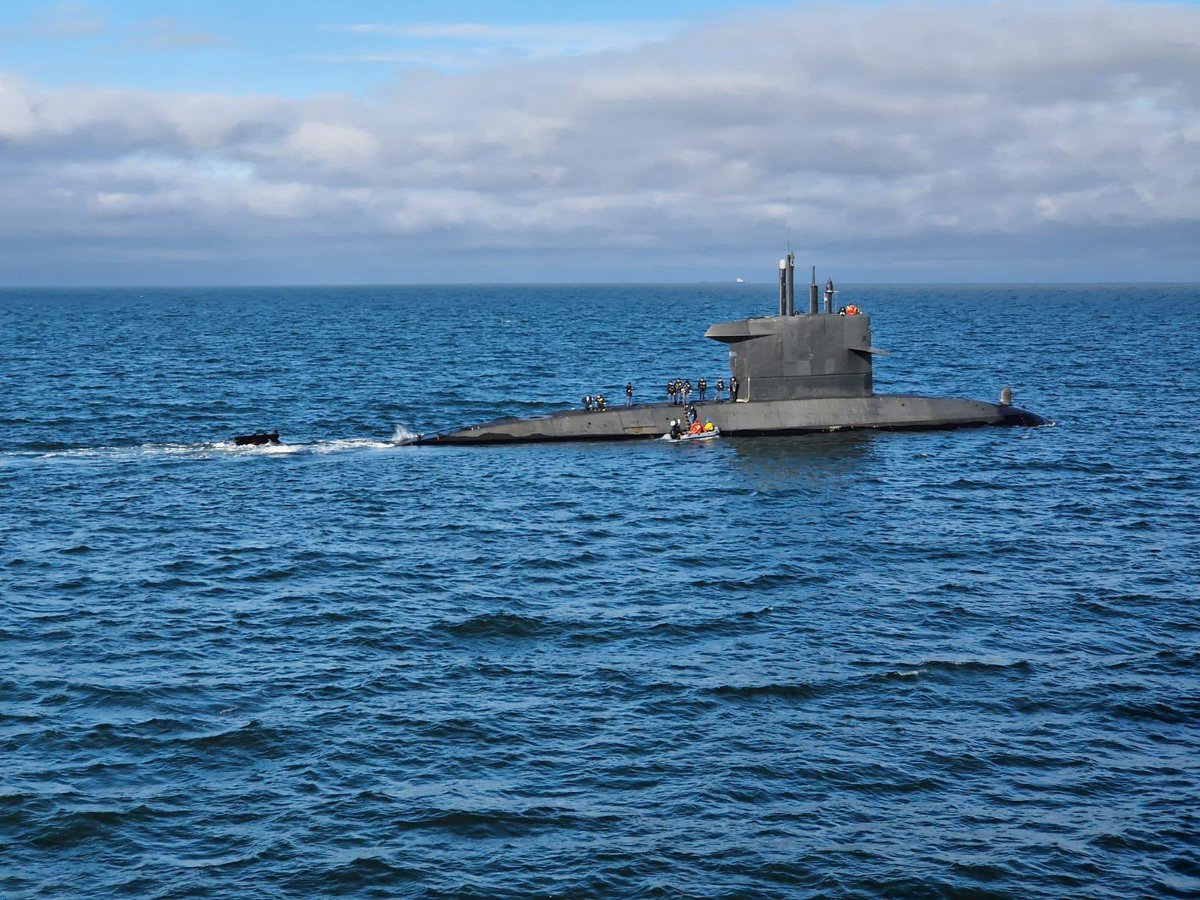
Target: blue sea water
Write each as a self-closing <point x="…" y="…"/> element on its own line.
<point x="930" y="664"/>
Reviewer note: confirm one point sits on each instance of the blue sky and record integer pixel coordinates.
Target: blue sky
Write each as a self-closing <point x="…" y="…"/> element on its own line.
<point x="264" y="142"/>
<point x="299" y="48"/>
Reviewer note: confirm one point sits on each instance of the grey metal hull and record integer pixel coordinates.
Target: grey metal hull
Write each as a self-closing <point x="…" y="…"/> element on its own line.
<point x="762" y="417"/>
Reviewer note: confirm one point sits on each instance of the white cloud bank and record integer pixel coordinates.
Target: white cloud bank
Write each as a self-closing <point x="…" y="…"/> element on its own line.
<point x="899" y="141"/>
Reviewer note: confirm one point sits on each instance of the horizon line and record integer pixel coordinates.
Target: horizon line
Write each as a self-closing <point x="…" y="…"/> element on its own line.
<point x="449" y="284"/>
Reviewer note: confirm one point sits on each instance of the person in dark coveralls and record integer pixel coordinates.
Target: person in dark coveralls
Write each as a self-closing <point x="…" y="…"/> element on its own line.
<point x="671" y="392"/>
<point x="679" y="392"/>
<point x="629" y="393"/>
<point x="587" y="402"/>
<point x="692" y="415"/>
<point x="703" y="387"/>
<point x="720" y="390"/>
<point x="733" y="388"/>
<point x="687" y="391"/>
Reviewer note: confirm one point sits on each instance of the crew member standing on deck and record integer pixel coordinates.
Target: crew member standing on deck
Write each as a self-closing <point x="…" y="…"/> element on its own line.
<point x="703" y="387"/>
<point x="733" y="388"/>
<point x="679" y="392"/>
<point x="720" y="390"/>
<point x="629" y="393"/>
<point x="687" y="391"/>
<point x="671" y="392"/>
<point x="587" y="402"/>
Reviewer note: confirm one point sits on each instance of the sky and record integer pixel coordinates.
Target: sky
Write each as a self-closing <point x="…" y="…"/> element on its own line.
<point x="362" y="141"/>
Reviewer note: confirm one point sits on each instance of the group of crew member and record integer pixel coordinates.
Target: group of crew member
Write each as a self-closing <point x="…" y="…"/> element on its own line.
<point x="679" y="390"/>
<point x="850" y="310"/>
<point x="599" y="403"/>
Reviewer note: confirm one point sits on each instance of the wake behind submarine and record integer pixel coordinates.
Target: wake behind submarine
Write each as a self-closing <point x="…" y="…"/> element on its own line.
<point x="798" y="374"/>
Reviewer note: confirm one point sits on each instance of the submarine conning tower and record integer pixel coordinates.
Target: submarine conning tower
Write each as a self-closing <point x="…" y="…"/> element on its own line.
<point x="799" y="357"/>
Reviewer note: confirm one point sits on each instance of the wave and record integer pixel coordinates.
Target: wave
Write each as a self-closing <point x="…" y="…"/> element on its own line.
<point x="795" y="691"/>
<point x="502" y="624"/>
<point x="490" y="822"/>
<point x="515" y="625"/>
<point x="206" y="449"/>
<point x="402" y="434"/>
<point x="972" y="666"/>
<point x="731" y="624"/>
<point x="1169" y="711"/>
<point x="71" y="827"/>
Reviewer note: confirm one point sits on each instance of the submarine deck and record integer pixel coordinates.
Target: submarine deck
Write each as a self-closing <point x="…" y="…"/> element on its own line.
<point x="889" y="412"/>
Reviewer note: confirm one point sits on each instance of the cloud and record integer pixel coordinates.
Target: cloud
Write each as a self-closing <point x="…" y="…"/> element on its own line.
<point x="70" y="20"/>
<point x="475" y="41"/>
<point x="932" y="141"/>
<point x="58" y="21"/>
<point x="74" y="21"/>
<point x="166" y="35"/>
<point x="331" y="144"/>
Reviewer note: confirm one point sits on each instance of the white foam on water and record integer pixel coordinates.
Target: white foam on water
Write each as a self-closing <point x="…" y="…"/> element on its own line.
<point x="402" y="434"/>
<point x="349" y="444"/>
<point x="219" y="449"/>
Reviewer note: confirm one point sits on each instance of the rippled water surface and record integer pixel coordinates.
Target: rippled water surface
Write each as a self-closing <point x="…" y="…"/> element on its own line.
<point x="913" y="664"/>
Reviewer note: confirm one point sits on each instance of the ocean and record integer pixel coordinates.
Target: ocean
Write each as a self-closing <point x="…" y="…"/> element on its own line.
<point x="914" y="664"/>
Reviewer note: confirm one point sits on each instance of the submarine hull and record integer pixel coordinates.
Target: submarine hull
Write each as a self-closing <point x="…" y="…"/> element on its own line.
<point x="889" y="412"/>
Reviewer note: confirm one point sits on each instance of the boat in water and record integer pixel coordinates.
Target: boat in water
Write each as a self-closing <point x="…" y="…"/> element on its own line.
<point x="257" y="439"/>
<point x="681" y="436"/>
<point x="796" y="373"/>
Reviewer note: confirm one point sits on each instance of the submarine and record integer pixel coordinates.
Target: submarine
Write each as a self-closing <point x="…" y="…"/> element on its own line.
<point x="797" y="373"/>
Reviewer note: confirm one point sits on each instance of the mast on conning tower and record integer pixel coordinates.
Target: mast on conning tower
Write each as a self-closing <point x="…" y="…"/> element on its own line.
<point x="787" y="285"/>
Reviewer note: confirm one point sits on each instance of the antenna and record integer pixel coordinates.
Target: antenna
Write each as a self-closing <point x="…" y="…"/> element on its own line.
<point x="789" y="223"/>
